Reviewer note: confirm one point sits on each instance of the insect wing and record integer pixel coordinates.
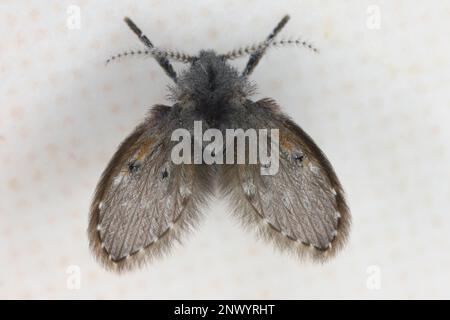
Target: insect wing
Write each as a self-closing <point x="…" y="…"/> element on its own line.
<point x="144" y="202"/>
<point x="301" y="208"/>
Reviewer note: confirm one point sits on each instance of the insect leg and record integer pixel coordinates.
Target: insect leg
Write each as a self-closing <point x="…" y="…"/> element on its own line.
<point x="163" y="61"/>
<point x="255" y="57"/>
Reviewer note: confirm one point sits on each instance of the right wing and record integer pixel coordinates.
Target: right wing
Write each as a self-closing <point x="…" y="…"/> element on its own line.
<point x="302" y="207"/>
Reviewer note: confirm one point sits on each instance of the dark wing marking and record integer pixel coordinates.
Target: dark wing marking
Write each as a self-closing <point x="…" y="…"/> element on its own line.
<point x="301" y="208"/>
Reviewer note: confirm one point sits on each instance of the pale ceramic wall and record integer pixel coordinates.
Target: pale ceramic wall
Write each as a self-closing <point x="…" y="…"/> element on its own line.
<point x="376" y="100"/>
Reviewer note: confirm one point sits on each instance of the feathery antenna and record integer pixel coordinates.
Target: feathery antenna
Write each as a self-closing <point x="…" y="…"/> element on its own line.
<point x="244" y="51"/>
<point x="155" y="53"/>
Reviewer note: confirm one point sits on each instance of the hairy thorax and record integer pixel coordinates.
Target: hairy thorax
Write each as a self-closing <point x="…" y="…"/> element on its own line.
<point x="211" y="86"/>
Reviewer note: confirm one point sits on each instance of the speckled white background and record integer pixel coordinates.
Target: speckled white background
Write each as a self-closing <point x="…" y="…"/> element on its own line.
<point x="377" y="101"/>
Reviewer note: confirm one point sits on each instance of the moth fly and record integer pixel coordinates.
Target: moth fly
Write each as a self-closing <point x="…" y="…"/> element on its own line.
<point x="144" y="203"/>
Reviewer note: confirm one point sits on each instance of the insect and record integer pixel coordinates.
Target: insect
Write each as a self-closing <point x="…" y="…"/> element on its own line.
<point x="144" y="203"/>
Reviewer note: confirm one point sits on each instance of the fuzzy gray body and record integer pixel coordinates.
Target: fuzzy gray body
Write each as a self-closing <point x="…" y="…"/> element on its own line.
<point x="144" y="203"/>
<point x="210" y="90"/>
